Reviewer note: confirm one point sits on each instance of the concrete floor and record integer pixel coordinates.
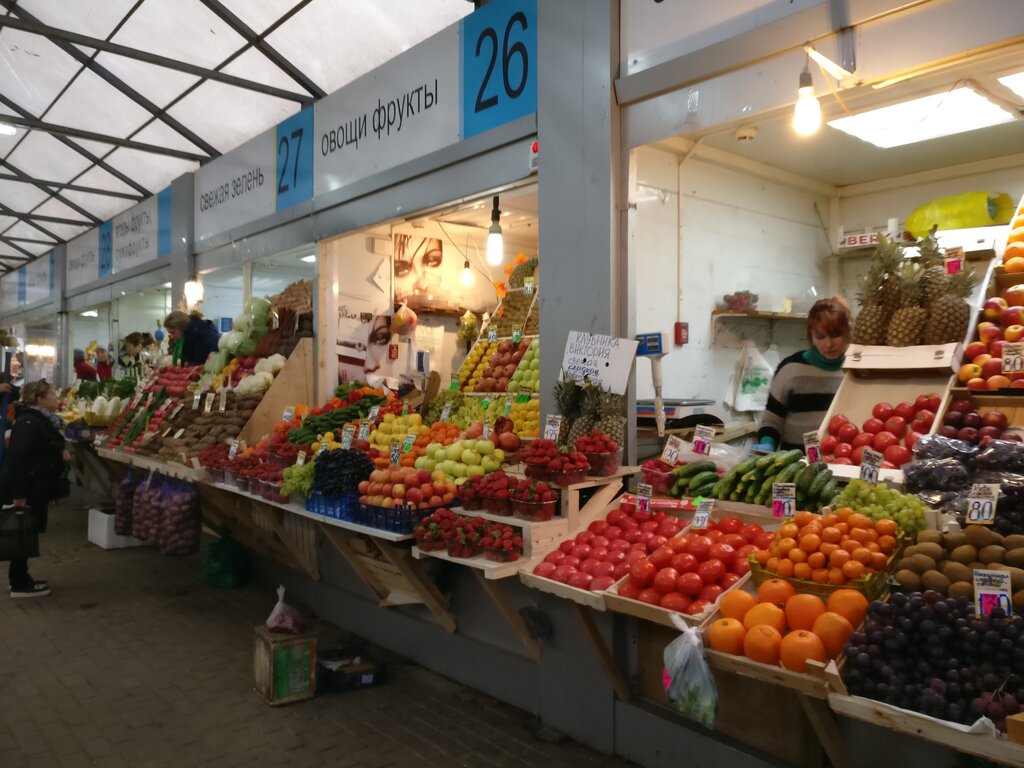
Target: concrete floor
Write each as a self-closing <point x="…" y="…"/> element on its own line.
<point x="132" y="661"/>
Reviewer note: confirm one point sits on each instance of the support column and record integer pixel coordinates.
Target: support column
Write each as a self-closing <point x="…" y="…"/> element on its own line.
<point x="182" y="256"/>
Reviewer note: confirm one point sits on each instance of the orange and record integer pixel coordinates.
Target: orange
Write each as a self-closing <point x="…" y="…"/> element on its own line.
<point x="849" y="544"/>
<point x="838" y="558"/>
<point x="803" y="518"/>
<point x="802" y="571"/>
<point x="784" y="568"/>
<point x="852" y="569"/>
<point x="886" y="543"/>
<point x="885" y="527"/>
<point x="872" y="547"/>
<point x="803" y="610"/>
<point x="861" y="555"/>
<point x="834" y="630"/>
<point x="828" y="548"/>
<point x="816" y="560"/>
<point x="735" y="604"/>
<point x="844" y="528"/>
<point x="820" y="575"/>
<point x="763" y="644"/>
<point x="785" y="545"/>
<point x="1016" y="235"/>
<point x="765" y="613"/>
<point x="829" y="520"/>
<point x="843" y="513"/>
<point x="835" y="576"/>
<point x="810" y="542"/>
<point x="831" y="534"/>
<point x="1014" y="264"/>
<point x="797" y="555"/>
<point x="1018" y="220"/>
<point x="726" y="635"/>
<point x="1013" y="250"/>
<point x="787" y="531"/>
<point x="775" y="591"/>
<point x="799" y="647"/>
<point x="850" y="604"/>
<point x="857" y="520"/>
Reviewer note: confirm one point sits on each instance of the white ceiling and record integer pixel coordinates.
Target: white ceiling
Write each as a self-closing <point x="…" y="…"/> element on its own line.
<point x="303" y="48"/>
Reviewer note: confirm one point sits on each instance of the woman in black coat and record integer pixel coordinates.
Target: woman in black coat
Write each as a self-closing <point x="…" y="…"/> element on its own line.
<point x="33" y="464"/>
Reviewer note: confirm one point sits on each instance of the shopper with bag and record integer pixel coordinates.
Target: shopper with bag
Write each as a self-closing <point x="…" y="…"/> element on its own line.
<point x="805" y="382"/>
<point x="34" y="471"/>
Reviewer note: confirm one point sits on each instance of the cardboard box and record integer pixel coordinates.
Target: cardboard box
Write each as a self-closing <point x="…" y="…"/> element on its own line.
<point x="284" y="666"/>
<point x="101" y="531"/>
<point x="1015" y="728"/>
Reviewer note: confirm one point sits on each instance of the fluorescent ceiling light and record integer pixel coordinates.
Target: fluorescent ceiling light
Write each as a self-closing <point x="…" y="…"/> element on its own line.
<point x="167" y="285"/>
<point x="6" y="129"/>
<point x="90" y="313"/>
<point x="309" y="259"/>
<point x="1015" y="83"/>
<point x="930" y="117"/>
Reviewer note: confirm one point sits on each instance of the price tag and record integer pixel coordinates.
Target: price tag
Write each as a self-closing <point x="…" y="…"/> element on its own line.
<point x="396" y="450"/>
<point x="454" y="385"/>
<point x="300" y="458"/>
<point x="409" y="440"/>
<point x="179" y="433"/>
<point x="673" y="447"/>
<point x="517" y="334"/>
<point x="195" y="401"/>
<point x="223" y="404"/>
<point x="166" y="432"/>
<point x="812" y="448"/>
<point x="523" y="396"/>
<point x="492" y="333"/>
<point x="163" y="407"/>
<point x="446" y="411"/>
<point x="486" y="435"/>
<point x="703" y="436"/>
<point x="643" y="497"/>
<point x="552" y="426"/>
<point x="981" y="504"/>
<point x="702" y="516"/>
<point x="783" y="499"/>
<point x="233" y="450"/>
<point x="870" y="461"/>
<point x="364" y="429"/>
<point x="528" y="286"/>
<point x="321" y="449"/>
<point x="1013" y="357"/>
<point x="289" y="414"/>
<point x="347" y="433"/>
<point x="508" y="406"/>
<point x="176" y="411"/>
<point x="208" y="405"/>
<point x="991" y="590"/>
<point x="954" y="260"/>
<point x="372" y="416"/>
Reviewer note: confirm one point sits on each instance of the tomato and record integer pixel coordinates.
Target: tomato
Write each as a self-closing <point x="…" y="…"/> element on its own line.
<point x="840" y="460"/>
<point x="835" y="423"/>
<point x="674" y="601"/>
<point x="858" y="453"/>
<point x="710" y="571"/>
<point x="588" y="565"/>
<point x="582" y="551"/>
<point x="684" y="562"/>
<point x="911" y="438"/>
<point x="714" y="535"/>
<point x="621" y="569"/>
<point x="632" y="535"/>
<point x="843" y="451"/>
<point x="722" y="552"/>
<point x="730" y="525"/>
<point x="923" y="421"/>
<point x="744" y="553"/>
<point x="598" y="526"/>
<point x="567" y="546"/>
<point x="615" y="556"/>
<point x="699" y="547"/>
<point x="734" y="540"/>
<point x="630" y="589"/>
<point x="618" y="545"/>
<point x="650" y="525"/>
<point x="763" y="540"/>
<point x="584" y="537"/>
<point x="554" y="557"/>
<point x="697" y="607"/>
<point x="883" y="440"/>
<point x="656" y="541"/>
<point x="934" y="401"/>
<point x="579" y="579"/>
<point x="897" y="454"/>
<point x="599" y="541"/>
<point x="864" y="438"/>
<point x="570" y="560"/>
<point x="710" y="592"/>
<point x="678" y="543"/>
<point x="740" y="567"/>
<point x="545" y="569"/>
<point x="643" y="572"/>
<point x="665" y="580"/>
<point x="638" y="546"/>
<point x="651" y="596"/>
<point x="882" y="411"/>
<point x="600" y="583"/>
<point x="828" y="443"/>
<point x="847" y="432"/>
<point x="562" y="573"/>
<point x="669" y="528"/>
<point x="599" y="553"/>
<point x="615" y="517"/>
<point x="897" y="425"/>
<point x="728" y="580"/>
<point x="661" y="557"/>
<point x="751" y="531"/>
<point x="689" y="583"/>
<point x="874" y="426"/>
<point x="612" y="532"/>
<point x="905" y="411"/>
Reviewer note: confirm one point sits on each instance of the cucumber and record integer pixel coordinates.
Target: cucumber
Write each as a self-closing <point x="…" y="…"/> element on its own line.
<point x="695" y="468"/>
<point x="744" y="466"/>
<point x="817" y="484"/>
<point x="789" y="473"/>
<point x="807" y="474"/>
<point x="828" y="492"/>
<point x="704" y="490"/>
<point x="753" y="476"/>
<point x="752" y="493"/>
<point x="788" y="457"/>
<point x="703" y="478"/>
<point x="765" y="461"/>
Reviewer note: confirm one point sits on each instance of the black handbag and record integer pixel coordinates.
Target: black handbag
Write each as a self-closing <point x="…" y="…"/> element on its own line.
<point x="18" y="535"/>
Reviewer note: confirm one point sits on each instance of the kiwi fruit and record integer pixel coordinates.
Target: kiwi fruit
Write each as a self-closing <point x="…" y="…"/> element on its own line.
<point x="978" y="536"/>
<point x="1018" y="601"/>
<point x="1014" y="541"/>
<point x="993" y="553"/>
<point x="932" y="550"/>
<point x="954" y="539"/>
<point x="962" y="589"/>
<point x="997" y="538"/>
<point x="922" y="563"/>
<point x="1015" y="557"/>
<point x="978" y="565"/>
<point x="930" y="537"/>
<point x="1016" y="575"/>
<point x="955" y="571"/>
<point x="965" y="553"/>
<point x="908" y="579"/>
<point x="935" y="580"/>
<point x="903" y="563"/>
<point x="910" y="551"/>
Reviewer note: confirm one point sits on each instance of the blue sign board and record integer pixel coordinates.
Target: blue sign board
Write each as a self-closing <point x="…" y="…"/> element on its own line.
<point x="163" y="223"/>
<point x="106" y="249"/>
<point x="293" y="176"/>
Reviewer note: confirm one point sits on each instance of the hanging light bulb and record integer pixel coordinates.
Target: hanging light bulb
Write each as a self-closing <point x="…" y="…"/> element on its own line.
<point x="495" y="241"/>
<point x="193" y="293"/>
<point x="807" y="113"/>
<point x="466" y="278"/>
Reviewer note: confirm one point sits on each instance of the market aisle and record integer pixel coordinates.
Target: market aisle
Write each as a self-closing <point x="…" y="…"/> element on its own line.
<point x="133" y="662"/>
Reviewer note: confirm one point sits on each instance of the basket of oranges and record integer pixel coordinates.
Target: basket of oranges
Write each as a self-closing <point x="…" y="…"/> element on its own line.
<point x="819" y="554"/>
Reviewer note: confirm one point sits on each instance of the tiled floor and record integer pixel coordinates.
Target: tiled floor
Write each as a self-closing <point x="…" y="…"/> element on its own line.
<point x="132" y="661"/>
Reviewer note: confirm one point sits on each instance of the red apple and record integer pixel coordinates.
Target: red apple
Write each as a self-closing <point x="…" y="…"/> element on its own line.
<point x="948" y="431"/>
<point x="1014" y="332"/>
<point x="1014" y="295"/>
<point x="977" y="383"/>
<point x="876" y="425"/>
<point x="994" y="366"/>
<point x="1011" y="316"/>
<point x="992" y="433"/>
<point x="897" y="425"/>
<point x="982" y="359"/>
<point x="993" y="308"/>
<point x="995" y="349"/>
<point x="997" y="382"/>
<point x="967" y="372"/>
<point x="974" y="349"/>
<point x="882" y="411"/>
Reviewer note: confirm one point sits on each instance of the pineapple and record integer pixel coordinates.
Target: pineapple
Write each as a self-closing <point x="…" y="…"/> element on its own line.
<point x="569" y="397"/>
<point x="609" y="415"/>
<point x="585" y="420"/>
<point x="950" y="315"/>
<point x="934" y="284"/>
<point x="907" y="325"/>
<point x="881" y="294"/>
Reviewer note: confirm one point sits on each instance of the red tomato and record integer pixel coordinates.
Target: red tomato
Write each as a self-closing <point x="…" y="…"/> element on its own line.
<point x="714" y="535"/>
<point x="934" y="401"/>
<point x="730" y="525"/>
<point x="612" y="532"/>
<point x="921" y="403"/>
<point x="750" y="532"/>
<point x="598" y="526"/>
<point x="740" y="567"/>
<point x="883" y="440"/>
<point x="665" y="580"/>
<point x="669" y="528"/>
<point x="882" y="411"/>
<point x="678" y="543"/>
<point x="699" y="547"/>
<point x="599" y="553"/>
<point x="744" y="553"/>
<point x="858" y="453"/>
<point x="584" y="537"/>
<point x="599" y="541"/>
<point x="579" y="579"/>
<point x="656" y="541"/>
<point x="554" y="557"/>
<point x="603" y="569"/>
<point x="570" y="560"/>
<point x="828" y="443"/>
<point x="926" y="418"/>
<point x="734" y="540"/>
<point x="710" y="571"/>
<point x="674" y="601"/>
<point x="651" y="596"/>
<point x="843" y="451"/>
<point x="562" y="573"/>
<point x="588" y="565"/>
<point x="897" y="425"/>
<point x="650" y="525"/>
<point x="763" y="540"/>
<point x="847" y="432"/>
<point x="689" y="584"/>
<point x="905" y="411"/>
<point x="599" y="583"/>
<point x="864" y="438"/>
<point x="684" y="562"/>
<point x="630" y="589"/>
<point x="632" y="535"/>
<point x="839" y="460"/>
<point x="697" y="607"/>
<point x="722" y="552"/>
<point x="728" y="580"/>
<point x="545" y="569"/>
<point x="874" y="426"/>
<point x="911" y="438"/>
<point x="615" y="517"/>
<point x="615" y="556"/>
<point x="621" y="569"/>
<point x="661" y="557"/>
<point x="710" y="592"/>
<point x="582" y="551"/>
<point x="643" y="572"/>
<point x="835" y="423"/>
<point x="619" y="544"/>
<point x="567" y="546"/>
<point x="639" y="546"/>
<point x="897" y="454"/>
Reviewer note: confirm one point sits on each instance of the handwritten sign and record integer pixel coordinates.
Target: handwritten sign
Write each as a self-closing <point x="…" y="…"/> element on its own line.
<point x="492" y="333"/>
<point x="364" y="429"/>
<point x="1013" y="357"/>
<point x="208" y="406"/>
<point x="487" y="431"/>
<point x="289" y="413"/>
<point x="991" y="590"/>
<point x="783" y="499"/>
<point x="373" y="413"/>
<point x="195" y="401"/>
<point x="598" y="359"/>
<point x="812" y="448"/>
<point x="410" y="438"/>
<point x="233" y="450"/>
<point x="300" y="458"/>
<point x="870" y="462"/>
<point x="703" y="514"/>
<point x="223" y="404"/>
<point x="643" y="497"/>
<point x="446" y="411"/>
<point x="347" y="433"/>
<point x="981" y="504"/>
<point x="552" y="426"/>
<point x="396" y="450"/>
<point x="703" y="436"/>
<point x="670" y="453"/>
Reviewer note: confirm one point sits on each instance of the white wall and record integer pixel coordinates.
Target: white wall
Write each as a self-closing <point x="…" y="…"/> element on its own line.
<point x="723" y="231"/>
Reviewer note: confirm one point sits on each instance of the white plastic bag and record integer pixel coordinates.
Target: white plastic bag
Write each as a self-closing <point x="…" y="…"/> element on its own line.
<point x="753" y="381"/>
<point x="689" y="684"/>
<point x="284" y="618"/>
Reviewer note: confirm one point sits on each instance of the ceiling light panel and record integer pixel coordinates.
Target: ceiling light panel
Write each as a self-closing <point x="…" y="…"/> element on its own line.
<point x="942" y="114"/>
<point x="32" y="69"/>
<point x="1014" y="82"/>
<point x="44" y="157"/>
<point x="158" y="84"/>
<point x="77" y="107"/>
<point x="187" y="31"/>
<point x="227" y="116"/>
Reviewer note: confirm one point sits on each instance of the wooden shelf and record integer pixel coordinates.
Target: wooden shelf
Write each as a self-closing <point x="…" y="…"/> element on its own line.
<point x="921" y="358"/>
<point x="153" y="465"/>
<point x="490" y="568"/>
<point x="755" y="313"/>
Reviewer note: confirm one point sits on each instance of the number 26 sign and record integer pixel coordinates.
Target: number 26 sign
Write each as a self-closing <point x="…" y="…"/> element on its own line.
<point x="499" y="64"/>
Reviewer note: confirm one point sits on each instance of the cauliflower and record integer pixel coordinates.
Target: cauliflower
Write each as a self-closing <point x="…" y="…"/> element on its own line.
<point x="256" y="383"/>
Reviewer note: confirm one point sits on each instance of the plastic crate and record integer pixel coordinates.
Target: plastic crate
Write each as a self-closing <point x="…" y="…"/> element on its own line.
<point x="604" y="464"/>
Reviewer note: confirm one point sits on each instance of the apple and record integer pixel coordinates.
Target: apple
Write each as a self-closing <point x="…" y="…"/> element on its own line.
<point x="897" y="425"/>
<point x="882" y="411"/>
<point x="993" y="308"/>
<point x="989" y="332"/>
<point x="976" y="383"/>
<point x="997" y="382"/>
<point x="484" y="447"/>
<point x="874" y="426"/>
<point x="967" y="372"/>
<point x="964" y="405"/>
<point x="1011" y="316"/>
<point x="994" y="366"/>
<point x="1014" y="295"/>
<point x="953" y="419"/>
<point x="995" y="419"/>
<point x="1013" y="333"/>
<point x="974" y="349"/>
<point x="969" y="434"/>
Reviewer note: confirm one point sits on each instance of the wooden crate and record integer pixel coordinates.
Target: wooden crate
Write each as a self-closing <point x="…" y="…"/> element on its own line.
<point x="619" y="604"/>
<point x="292" y="385"/>
<point x="284" y="666"/>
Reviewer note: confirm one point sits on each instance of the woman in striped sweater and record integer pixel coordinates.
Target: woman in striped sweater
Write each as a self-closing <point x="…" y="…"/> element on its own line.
<point x="805" y="382"/>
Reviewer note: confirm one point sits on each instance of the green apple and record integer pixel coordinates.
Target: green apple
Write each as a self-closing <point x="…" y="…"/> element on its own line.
<point x="490" y="465"/>
<point x="429" y="465"/>
<point x="475" y="471"/>
<point x="421" y="462"/>
<point x="470" y="456"/>
<point x="446" y="466"/>
<point x="432" y="448"/>
<point x="454" y="451"/>
<point x="459" y="470"/>
<point x="484" y="447"/>
<point x="461" y="480"/>
<point x="498" y="455"/>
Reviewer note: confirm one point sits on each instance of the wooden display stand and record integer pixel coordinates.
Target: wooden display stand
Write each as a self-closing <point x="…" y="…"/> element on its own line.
<point x="292" y="385"/>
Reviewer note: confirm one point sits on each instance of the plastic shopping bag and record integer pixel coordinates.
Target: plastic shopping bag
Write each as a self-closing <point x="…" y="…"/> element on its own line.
<point x="689" y="684"/>
<point x="284" y="618"/>
<point x="754" y="380"/>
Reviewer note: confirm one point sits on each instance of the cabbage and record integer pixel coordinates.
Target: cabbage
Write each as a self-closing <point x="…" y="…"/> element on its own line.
<point x="222" y="342"/>
<point x="99" y="406"/>
<point x="257" y="305"/>
<point x="277" y="362"/>
<point x="234" y="340"/>
<point x="242" y="323"/>
<point x="246" y="347"/>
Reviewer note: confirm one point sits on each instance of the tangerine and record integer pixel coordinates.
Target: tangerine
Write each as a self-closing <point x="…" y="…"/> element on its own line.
<point x="820" y="575"/>
<point x="843" y="513"/>
<point x="816" y="560"/>
<point x="765" y="613"/>
<point x="763" y="644"/>
<point x="853" y="569"/>
<point x="772" y="565"/>
<point x="850" y="604"/>
<point x="799" y="647"/>
<point x="834" y="630"/>
<point x="797" y="555"/>
<point x="727" y="635"/>
<point x="861" y="555"/>
<point x="787" y="531"/>
<point x="785" y="545"/>
<point x="831" y="534"/>
<point x="1013" y="250"/>
<point x="735" y="604"/>
<point x="803" y="610"/>
<point x="879" y="560"/>
<point x="776" y="591"/>
<point x="810" y="542"/>
<point x="1016" y="235"/>
<point x="827" y="548"/>
<point x="829" y="520"/>
<point x="1014" y="264"/>
<point x="835" y="576"/>
<point x="784" y="568"/>
<point x="804" y="517"/>
<point x="802" y="571"/>
<point x="886" y="543"/>
<point x="886" y="527"/>
<point x="762" y="556"/>
<point x="838" y="558"/>
<point x="857" y="520"/>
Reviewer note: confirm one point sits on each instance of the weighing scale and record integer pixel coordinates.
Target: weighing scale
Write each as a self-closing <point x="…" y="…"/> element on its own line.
<point x="671" y="414"/>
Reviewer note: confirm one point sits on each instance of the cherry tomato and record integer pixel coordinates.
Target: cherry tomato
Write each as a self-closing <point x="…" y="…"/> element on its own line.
<point x="630" y="589"/>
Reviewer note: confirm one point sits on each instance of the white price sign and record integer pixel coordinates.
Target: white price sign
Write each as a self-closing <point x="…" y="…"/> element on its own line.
<point x="783" y="499"/>
<point x="346" y="436"/>
<point x="179" y="433"/>
<point x="673" y="447"/>
<point x="289" y="413"/>
<point x="446" y="411"/>
<point x="223" y="404"/>
<point x="552" y="426"/>
<point x="870" y="461"/>
<point x="208" y="406"/>
<point x="981" y="504"/>
<point x="300" y="458"/>
<point x="492" y="333"/>
<point x="991" y="590"/>
<point x="364" y="429"/>
<point x="811" y="447"/>
<point x="373" y="413"/>
<point x="195" y="401"/>
<point x="396" y="450"/>
<point x="703" y="436"/>
<point x="643" y="497"/>
<point x="176" y="411"/>
<point x="702" y="516"/>
<point x="1013" y="357"/>
<point x="233" y="450"/>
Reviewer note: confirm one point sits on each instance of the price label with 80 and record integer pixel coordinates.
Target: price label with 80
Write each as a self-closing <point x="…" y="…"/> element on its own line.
<point x="981" y="504"/>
